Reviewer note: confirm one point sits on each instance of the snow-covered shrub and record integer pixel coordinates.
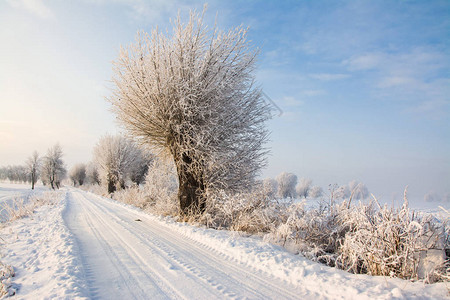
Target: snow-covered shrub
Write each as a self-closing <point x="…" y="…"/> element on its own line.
<point x="161" y="186"/>
<point x="6" y="273"/>
<point x="17" y="208"/>
<point x="20" y="207"/>
<point x="392" y="241"/>
<point x="252" y="212"/>
<point x="286" y="185"/>
<point x="134" y="196"/>
<point x="314" y="232"/>
<point x="95" y="189"/>
<point x="270" y="187"/>
<point x="367" y="238"/>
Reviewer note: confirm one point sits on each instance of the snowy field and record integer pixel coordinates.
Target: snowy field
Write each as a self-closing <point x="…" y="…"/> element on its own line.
<point x="9" y="192"/>
<point x="88" y="247"/>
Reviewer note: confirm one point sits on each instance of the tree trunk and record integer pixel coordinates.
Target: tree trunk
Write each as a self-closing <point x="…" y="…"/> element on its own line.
<point x="111" y="186"/>
<point x="190" y="190"/>
<point x="33" y="180"/>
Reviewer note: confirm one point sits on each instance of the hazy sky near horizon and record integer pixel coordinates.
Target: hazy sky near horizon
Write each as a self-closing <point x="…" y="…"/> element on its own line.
<point x="364" y="85"/>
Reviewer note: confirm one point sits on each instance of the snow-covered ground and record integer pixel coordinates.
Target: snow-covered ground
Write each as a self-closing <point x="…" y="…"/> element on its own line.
<point x="86" y="246"/>
<point x="9" y="192"/>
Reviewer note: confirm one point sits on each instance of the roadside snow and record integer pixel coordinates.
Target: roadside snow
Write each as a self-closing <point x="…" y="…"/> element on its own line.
<point x="10" y="192"/>
<point x="43" y="254"/>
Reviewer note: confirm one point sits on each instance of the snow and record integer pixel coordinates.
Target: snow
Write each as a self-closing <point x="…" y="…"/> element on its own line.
<point x="86" y="246"/>
<point x="11" y="191"/>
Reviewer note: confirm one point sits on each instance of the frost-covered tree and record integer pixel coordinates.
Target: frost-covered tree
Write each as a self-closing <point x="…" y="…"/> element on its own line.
<point x="432" y="196"/>
<point x="92" y="176"/>
<point x="303" y="187"/>
<point x="115" y="156"/>
<point x="286" y="185"/>
<point x="139" y="169"/>
<point x="192" y="96"/>
<point x="16" y="173"/>
<point x="78" y="174"/>
<point x="53" y="170"/>
<point x="358" y="190"/>
<point x="33" y="165"/>
<point x="315" y="191"/>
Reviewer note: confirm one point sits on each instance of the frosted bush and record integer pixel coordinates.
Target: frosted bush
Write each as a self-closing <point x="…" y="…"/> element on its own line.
<point x="286" y="185"/>
<point x="270" y="187"/>
<point x="132" y="196"/>
<point x="95" y="189"/>
<point x="161" y="186"/>
<point x="252" y="212"/>
<point x="6" y="273"/>
<point x="367" y="238"/>
<point x="395" y="242"/>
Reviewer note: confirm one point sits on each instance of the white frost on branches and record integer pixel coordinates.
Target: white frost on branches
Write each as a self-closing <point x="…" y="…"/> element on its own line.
<point x="193" y="97"/>
<point x="303" y="187"/>
<point x="115" y="158"/>
<point x="286" y="185"/>
<point x="53" y="170"/>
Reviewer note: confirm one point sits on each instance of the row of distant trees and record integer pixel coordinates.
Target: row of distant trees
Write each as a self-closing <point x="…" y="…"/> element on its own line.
<point x="287" y="185"/>
<point x="49" y="168"/>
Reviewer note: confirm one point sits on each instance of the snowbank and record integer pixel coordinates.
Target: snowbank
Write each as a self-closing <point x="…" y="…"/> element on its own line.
<point x="43" y="253"/>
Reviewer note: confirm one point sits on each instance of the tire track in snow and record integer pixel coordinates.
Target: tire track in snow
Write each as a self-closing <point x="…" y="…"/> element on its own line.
<point x="170" y="265"/>
<point x="117" y="275"/>
<point x="229" y="268"/>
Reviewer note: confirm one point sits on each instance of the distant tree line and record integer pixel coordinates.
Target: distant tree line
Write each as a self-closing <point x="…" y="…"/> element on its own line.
<point x="50" y="169"/>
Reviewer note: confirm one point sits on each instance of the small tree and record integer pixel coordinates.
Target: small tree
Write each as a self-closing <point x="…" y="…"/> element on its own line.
<point x="78" y="174"/>
<point x="286" y="185"/>
<point x="303" y="187"/>
<point x="114" y="157"/>
<point x="33" y="164"/>
<point x="140" y="167"/>
<point x="92" y="176"/>
<point x="315" y="191"/>
<point x="193" y="98"/>
<point x="53" y="169"/>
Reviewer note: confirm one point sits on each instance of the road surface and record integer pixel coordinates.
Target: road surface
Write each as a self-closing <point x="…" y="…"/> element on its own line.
<point x="129" y="256"/>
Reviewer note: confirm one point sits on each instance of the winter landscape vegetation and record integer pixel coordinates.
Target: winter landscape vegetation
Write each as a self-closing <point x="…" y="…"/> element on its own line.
<point x="260" y="150"/>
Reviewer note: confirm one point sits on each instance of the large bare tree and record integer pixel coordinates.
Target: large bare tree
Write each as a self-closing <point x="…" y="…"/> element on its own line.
<point x="192" y="96"/>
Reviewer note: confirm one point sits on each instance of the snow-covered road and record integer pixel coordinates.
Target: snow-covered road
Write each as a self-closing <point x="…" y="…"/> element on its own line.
<point x="126" y="255"/>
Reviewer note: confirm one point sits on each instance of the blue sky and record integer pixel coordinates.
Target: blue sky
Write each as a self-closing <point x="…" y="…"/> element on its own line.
<point x="364" y="85"/>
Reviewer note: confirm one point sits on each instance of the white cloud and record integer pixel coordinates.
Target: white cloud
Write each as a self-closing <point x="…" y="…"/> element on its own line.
<point x="36" y="7"/>
<point x="364" y="62"/>
<point x="417" y="76"/>
<point x="291" y="101"/>
<point x="313" y="93"/>
<point x="329" y="76"/>
<point x="393" y="81"/>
